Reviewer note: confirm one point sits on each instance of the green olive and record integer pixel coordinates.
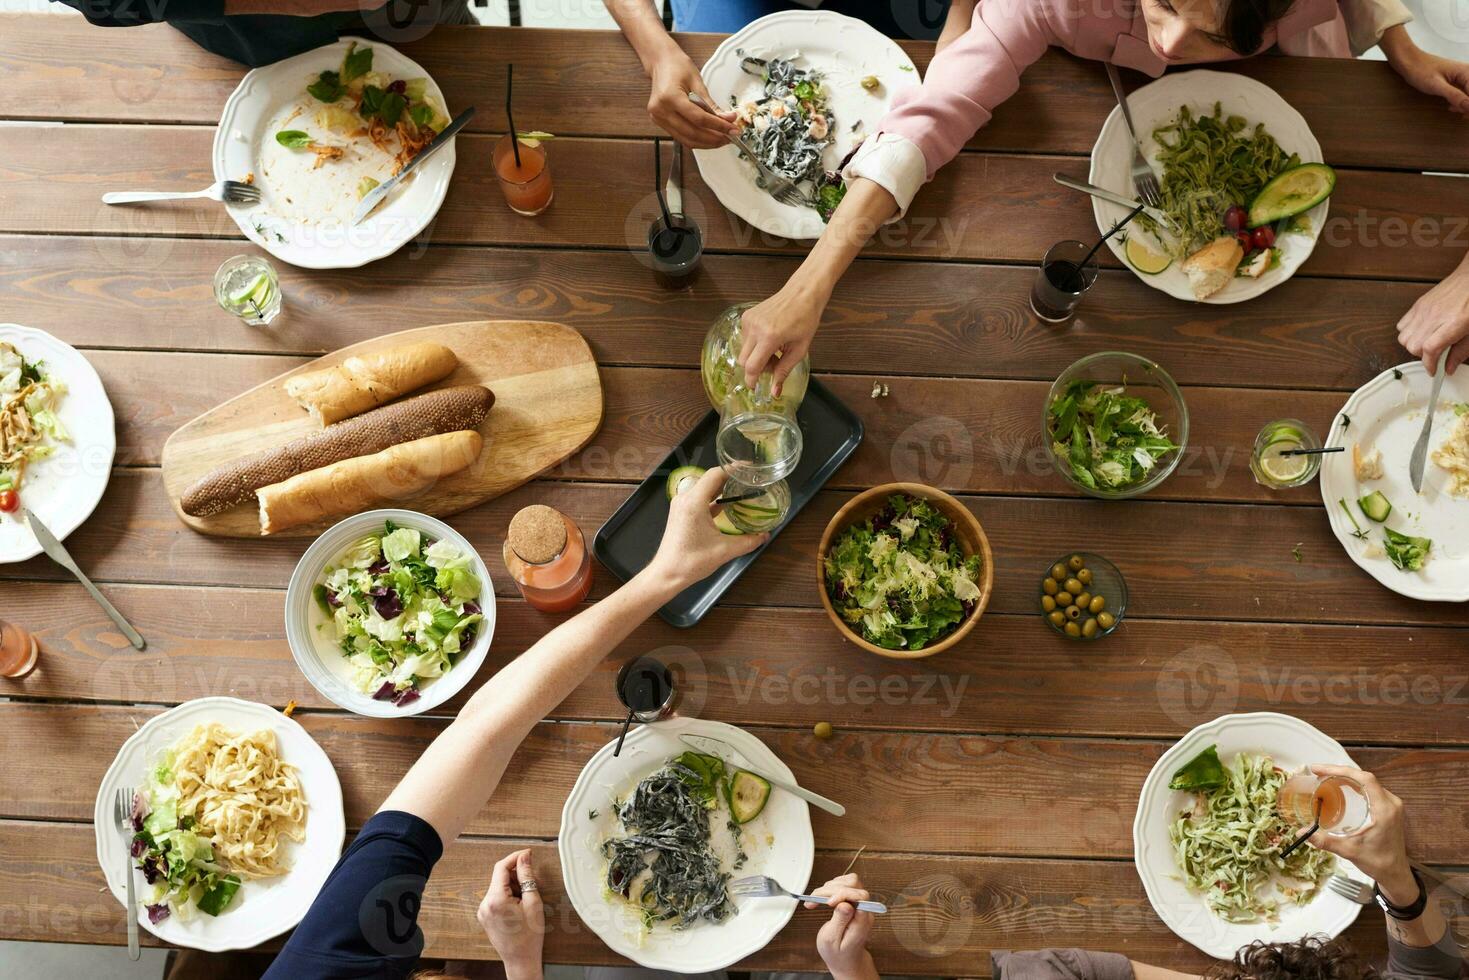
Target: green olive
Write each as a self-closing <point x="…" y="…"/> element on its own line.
<point x="1089" y="628"/>
<point x="1073" y="612"/>
<point x="1064" y="599"/>
<point x="1047" y="603"/>
<point x="1072" y="585"/>
<point x="822" y="729"/>
<point x="1073" y="630"/>
<point x="1058" y="572"/>
<point x="1097" y="604"/>
<point x="1084" y="600"/>
<point x="1057" y="617"/>
<point x="1106" y="620"/>
<point x="1076" y="563"/>
<point x="1084" y="576"/>
<point x="1049" y="586"/>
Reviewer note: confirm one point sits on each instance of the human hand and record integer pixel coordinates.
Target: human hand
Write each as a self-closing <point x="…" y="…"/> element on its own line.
<point x="674" y="76"/>
<point x="1430" y="74"/>
<point x="1439" y="319"/>
<point x="1380" y="849"/>
<point x="692" y="547"/>
<point x="842" y="942"/>
<point x="776" y="333"/>
<point x="515" y="924"/>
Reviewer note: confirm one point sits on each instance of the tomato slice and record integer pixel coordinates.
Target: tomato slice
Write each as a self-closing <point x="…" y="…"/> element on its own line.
<point x="9" y="501"/>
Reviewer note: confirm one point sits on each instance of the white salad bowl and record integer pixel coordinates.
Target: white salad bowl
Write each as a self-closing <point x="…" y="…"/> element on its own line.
<point x="313" y="641"/>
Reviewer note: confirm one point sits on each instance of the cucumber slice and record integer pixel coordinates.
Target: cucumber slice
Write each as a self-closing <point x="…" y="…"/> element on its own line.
<point x="748" y="794"/>
<point x="1292" y="192"/>
<point x="722" y="521"/>
<point x="1376" y="506"/>
<point x="683" y="478"/>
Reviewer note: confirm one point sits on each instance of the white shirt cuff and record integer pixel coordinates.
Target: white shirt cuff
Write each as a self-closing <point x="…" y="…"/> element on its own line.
<point x="893" y="162"/>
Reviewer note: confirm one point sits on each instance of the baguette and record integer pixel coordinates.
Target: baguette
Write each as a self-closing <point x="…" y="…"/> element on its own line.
<point x="366" y="381"/>
<point x="364" y="482"/>
<point x="430" y="414"/>
<point x="1212" y="267"/>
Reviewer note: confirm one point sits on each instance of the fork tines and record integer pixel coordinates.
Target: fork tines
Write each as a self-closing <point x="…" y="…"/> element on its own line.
<point x="238" y="192"/>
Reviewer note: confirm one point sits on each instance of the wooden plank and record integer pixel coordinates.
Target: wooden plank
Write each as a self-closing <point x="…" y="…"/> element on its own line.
<point x="910" y="785"/>
<point x="967" y="435"/>
<point x="920" y="315"/>
<point x="947" y="913"/>
<point x="1157" y="678"/>
<point x="55" y="69"/>
<point x="983" y="207"/>
<point x="1186" y="561"/>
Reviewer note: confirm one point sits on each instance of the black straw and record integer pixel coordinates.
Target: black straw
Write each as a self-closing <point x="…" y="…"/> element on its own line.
<point x="510" y="118"/>
<point x="618" y="751"/>
<point x="1313" y="452"/>
<point x="1115" y="229"/>
<point x="1304" y="837"/>
<point x="747" y="495"/>
<point x="658" y="181"/>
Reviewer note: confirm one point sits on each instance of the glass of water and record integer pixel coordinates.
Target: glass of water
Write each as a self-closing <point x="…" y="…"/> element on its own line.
<point x="759" y="440"/>
<point x="246" y="286"/>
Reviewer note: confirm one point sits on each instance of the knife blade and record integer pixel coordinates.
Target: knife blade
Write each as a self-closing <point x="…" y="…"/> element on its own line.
<point x="673" y="189"/>
<point x="723" y="750"/>
<point x="375" y="196"/>
<point x="1419" y="460"/>
<point x="62" y="557"/>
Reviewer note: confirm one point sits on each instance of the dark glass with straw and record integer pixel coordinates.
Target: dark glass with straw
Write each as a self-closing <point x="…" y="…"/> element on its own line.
<point x="1068" y="270"/>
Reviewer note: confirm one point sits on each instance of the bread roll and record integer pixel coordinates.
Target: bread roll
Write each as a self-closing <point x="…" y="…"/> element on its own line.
<point x="363" y="482"/>
<point x="1212" y="267"/>
<point x="368" y="380"/>
<point x="430" y="414"/>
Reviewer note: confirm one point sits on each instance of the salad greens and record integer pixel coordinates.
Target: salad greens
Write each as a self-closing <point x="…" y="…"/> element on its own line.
<point x="1406" y="552"/>
<point x="30" y="429"/>
<point x="175" y="860"/>
<point x="1110" y="439"/>
<point x="901" y="578"/>
<point x="403" y="606"/>
<point x="1228" y="845"/>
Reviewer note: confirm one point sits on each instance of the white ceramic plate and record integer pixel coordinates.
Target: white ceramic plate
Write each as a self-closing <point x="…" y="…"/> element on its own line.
<point x="263" y="908"/>
<point x="245" y="143"/>
<point x="62" y="491"/>
<point x="1387" y="414"/>
<point x="1157" y="104"/>
<point x="1293" y="744"/>
<point x="708" y="946"/>
<point x="312" y="639"/>
<point x="846" y="50"/>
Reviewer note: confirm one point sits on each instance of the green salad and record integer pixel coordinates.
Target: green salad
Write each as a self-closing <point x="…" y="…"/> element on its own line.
<point x="404" y="607"/>
<point x="1109" y="438"/>
<point x="177" y="861"/>
<point x="901" y="578"/>
<point x="1228" y="843"/>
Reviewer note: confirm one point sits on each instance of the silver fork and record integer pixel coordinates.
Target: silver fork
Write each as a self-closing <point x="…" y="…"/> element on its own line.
<point x="226" y="191"/>
<point x="783" y="189"/>
<point x="759" y="886"/>
<point x="1350" y="888"/>
<point x="122" y="811"/>
<point x="1143" y="178"/>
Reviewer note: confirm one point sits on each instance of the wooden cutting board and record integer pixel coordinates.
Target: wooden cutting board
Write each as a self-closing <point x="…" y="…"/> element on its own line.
<point x="548" y="405"/>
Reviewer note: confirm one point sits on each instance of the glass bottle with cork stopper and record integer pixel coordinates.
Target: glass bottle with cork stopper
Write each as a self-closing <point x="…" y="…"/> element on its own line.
<point x="548" y="558"/>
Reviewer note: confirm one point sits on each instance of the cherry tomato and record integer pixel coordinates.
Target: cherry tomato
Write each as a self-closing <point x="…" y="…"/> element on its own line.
<point x="1235" y="218"/>
<point x="1263" y="236"/>
<point x="9" y="501"/>
<point x="1246" y="240"/>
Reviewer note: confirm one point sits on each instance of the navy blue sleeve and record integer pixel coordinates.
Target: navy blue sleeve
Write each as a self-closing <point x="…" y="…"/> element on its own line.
<point x="131" y="13"/>
<point x="364" y="922"/>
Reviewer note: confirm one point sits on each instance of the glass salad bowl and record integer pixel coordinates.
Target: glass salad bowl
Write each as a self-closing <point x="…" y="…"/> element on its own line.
<point x="1115" y="425"/>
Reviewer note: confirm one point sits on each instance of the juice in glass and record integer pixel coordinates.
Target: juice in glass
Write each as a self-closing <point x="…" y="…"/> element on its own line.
<point x="18" y="651"/>
<point x="548" y="558"/>
<point x="526" y="184"/>
<point x="1344" y="807"/>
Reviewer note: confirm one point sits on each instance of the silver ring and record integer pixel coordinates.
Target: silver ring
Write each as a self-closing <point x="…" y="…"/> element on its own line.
<point x="528" y="885"/>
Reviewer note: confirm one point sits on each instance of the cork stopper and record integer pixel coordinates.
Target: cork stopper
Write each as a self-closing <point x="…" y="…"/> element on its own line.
<point x="537" y="534"/>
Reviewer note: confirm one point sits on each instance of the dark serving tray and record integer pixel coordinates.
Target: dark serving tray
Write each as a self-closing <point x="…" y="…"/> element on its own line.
<point x="625" y="544"/>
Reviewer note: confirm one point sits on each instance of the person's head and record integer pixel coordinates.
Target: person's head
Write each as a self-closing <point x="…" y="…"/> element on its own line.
<point x="1207" y="30"/>
<point x="1306" y="959"/>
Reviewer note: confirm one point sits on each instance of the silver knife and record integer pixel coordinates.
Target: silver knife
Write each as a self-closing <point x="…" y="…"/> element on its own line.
<point x="1109" y="196"/>
<point x="1420" y="451"/>
<point x="59" y="555"/>
<point x="375" y="196"/>
<point x="673" y="190"/>
<point x="722" y="749"/>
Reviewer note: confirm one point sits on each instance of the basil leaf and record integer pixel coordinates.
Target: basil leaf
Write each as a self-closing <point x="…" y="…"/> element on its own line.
<point x="356" y="63"/>
<point x="295" y="139"/>
<point x="421" y="115"/>
<point x="390" y="109"/>
<point x="328" y="87"/>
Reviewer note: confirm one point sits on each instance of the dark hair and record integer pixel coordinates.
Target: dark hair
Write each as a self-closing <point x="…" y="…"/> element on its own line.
<point x="1245" y="21"/>
<point x="1311" y="958"/>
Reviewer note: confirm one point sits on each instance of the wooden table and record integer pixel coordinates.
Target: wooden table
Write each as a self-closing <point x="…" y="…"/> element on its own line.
<point x="993" y="788"/>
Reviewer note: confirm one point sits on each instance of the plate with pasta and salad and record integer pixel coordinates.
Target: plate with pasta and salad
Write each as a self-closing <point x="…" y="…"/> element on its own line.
<point x="236" y="822"/>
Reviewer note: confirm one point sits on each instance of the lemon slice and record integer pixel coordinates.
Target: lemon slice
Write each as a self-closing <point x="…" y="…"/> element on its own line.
<point x="1283" y="469"/>
<point x="256" y="291"/>
<point x="1144" y="259"/>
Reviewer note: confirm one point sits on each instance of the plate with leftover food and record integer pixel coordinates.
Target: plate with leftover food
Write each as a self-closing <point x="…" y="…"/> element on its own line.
<point x="650" y="839"/>
<point x="56" y="438"/>
<point x="807" y="86"/>
<point x="390" y="613"/>
<point x="236" y="822"/>
<point x="1416" y="544"/>
<point x="1245" y="191"/>
<point x="316" y="133"/>
<point x="1208" y="850"/>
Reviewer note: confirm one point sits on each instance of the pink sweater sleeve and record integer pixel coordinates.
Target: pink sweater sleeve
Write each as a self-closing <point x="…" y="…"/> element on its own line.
<point x="970" y="77"/>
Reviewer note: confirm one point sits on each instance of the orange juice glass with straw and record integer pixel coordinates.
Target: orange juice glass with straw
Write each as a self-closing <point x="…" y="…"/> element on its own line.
<point x="525" y="178"/>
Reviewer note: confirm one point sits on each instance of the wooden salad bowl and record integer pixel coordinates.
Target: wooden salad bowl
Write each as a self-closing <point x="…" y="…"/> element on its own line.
<point x="966" y="526"/>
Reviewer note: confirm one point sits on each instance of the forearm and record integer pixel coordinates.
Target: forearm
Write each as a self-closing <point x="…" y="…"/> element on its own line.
<point x="460" y="770"/>
<point x="1398" y="46"/>
<point x="1146" y="971"/>
<point x="864" y="208"/>
<point x="1401" y="889"/>
<point x="644" y="30"/>
<point x="956" y="22"/>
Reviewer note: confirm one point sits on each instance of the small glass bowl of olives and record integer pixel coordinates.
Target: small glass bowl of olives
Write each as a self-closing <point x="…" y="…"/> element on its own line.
<point x="1083" y="596"/>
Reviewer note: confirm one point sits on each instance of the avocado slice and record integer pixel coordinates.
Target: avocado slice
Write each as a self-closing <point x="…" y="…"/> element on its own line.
<point x="1292" y="192"/>
<point x="748" y="794"/>
<point x="682" y="478"/>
